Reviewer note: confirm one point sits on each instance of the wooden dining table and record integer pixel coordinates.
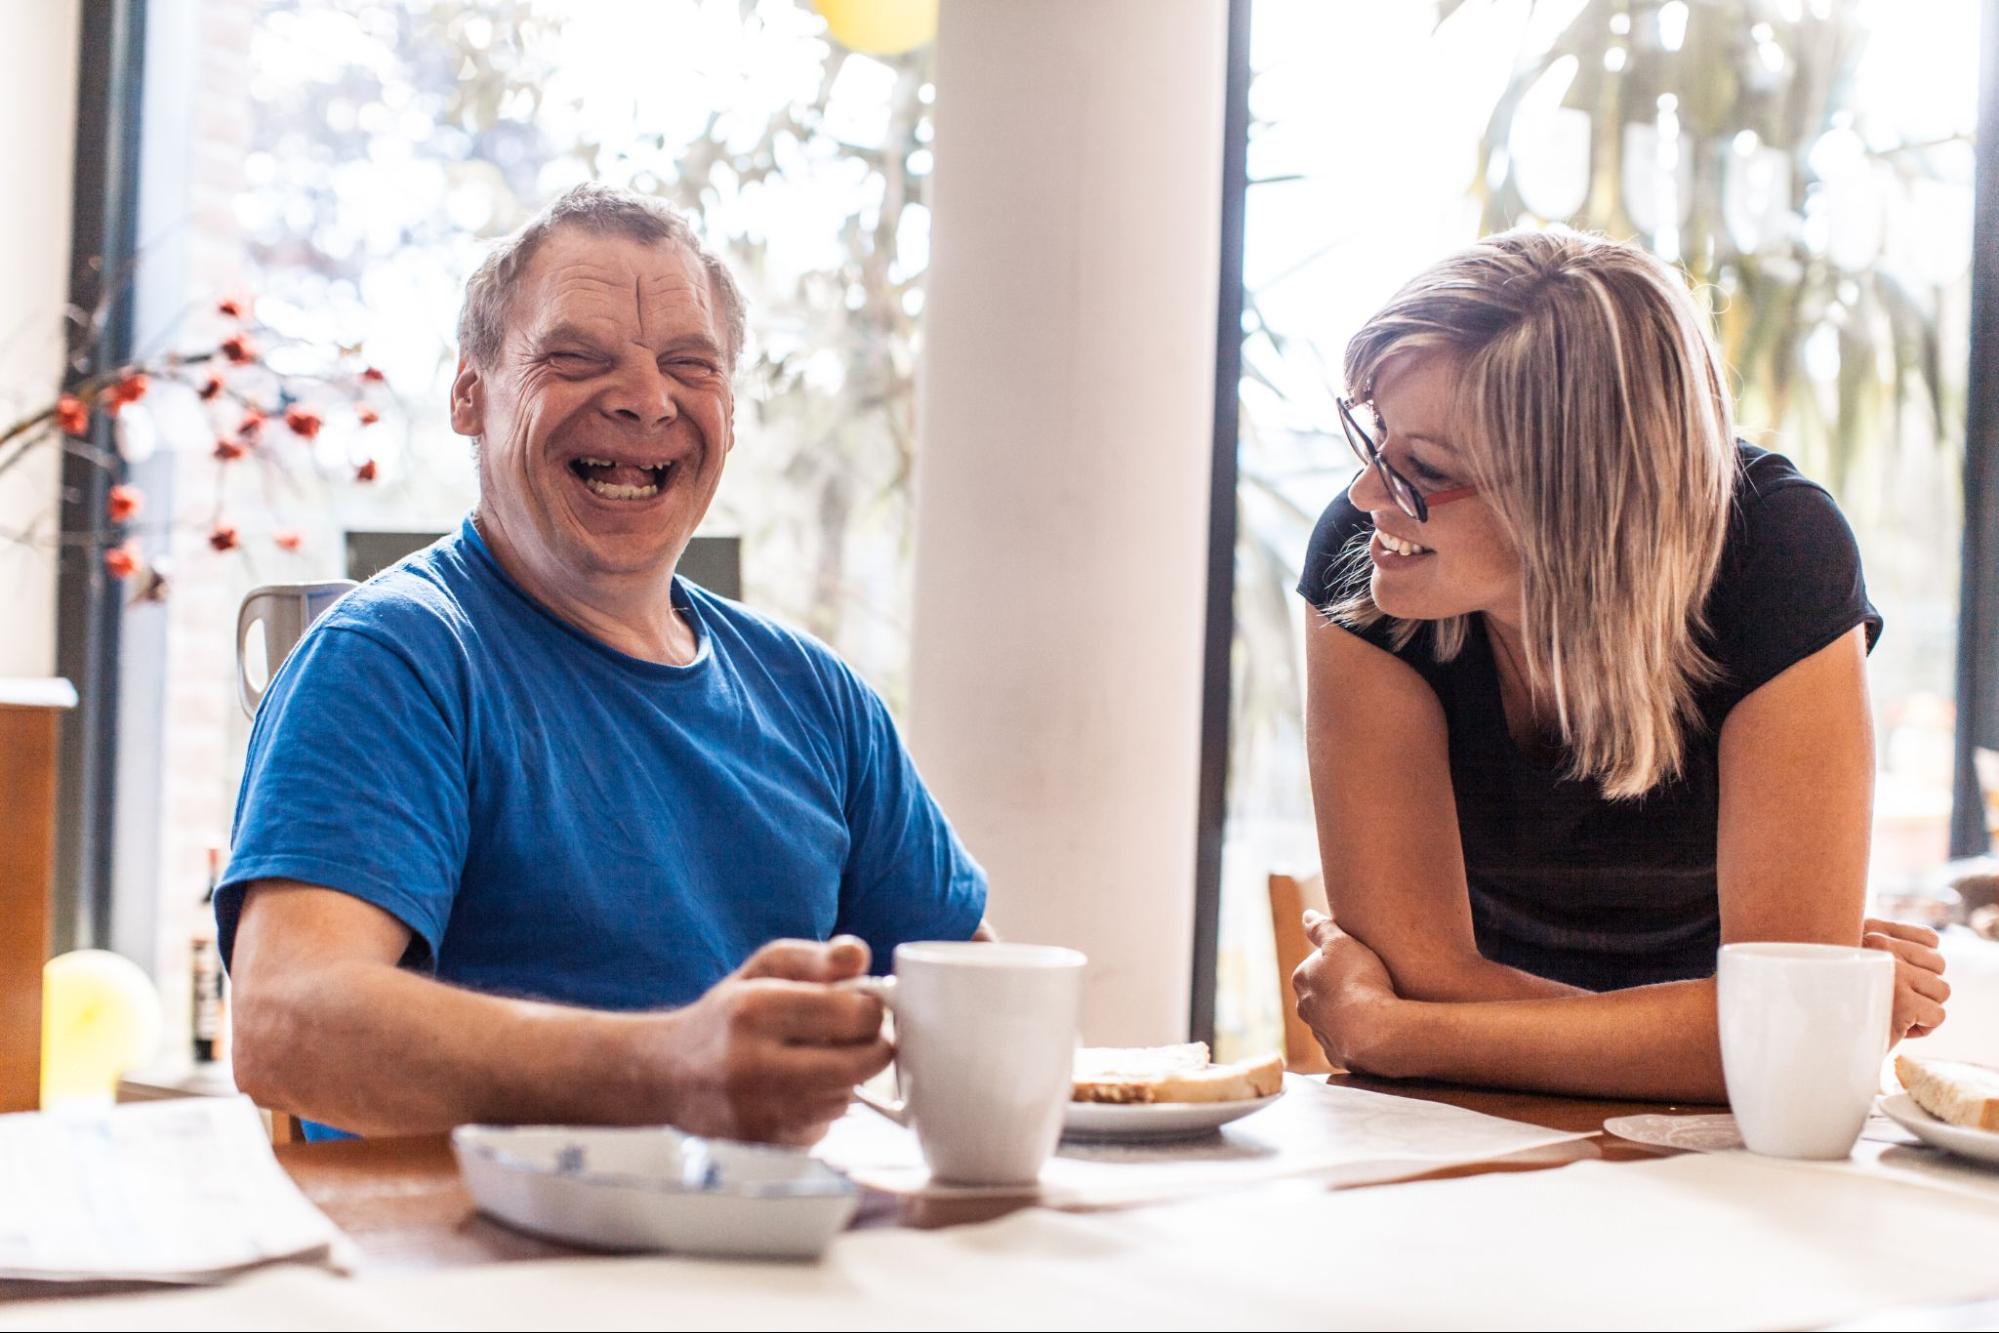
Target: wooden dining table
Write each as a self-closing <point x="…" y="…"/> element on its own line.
<point x="401" y="1203"/>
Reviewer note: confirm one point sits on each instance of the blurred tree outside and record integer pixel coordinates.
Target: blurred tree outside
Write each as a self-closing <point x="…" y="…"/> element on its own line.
<point x="391" y="139"/>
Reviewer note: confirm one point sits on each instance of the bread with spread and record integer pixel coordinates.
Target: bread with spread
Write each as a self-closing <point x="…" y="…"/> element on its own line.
<point x="1145" y="1075"/>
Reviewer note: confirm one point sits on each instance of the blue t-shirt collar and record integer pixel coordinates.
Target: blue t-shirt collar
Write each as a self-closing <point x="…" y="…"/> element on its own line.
<point x="483" y="557"/>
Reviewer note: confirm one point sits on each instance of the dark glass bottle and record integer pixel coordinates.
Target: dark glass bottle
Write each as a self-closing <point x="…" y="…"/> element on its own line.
<point x="208" y="997"/>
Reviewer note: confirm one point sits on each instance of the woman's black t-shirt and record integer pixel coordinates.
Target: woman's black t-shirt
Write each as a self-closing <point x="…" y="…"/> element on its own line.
<point x="1565" y="883"/>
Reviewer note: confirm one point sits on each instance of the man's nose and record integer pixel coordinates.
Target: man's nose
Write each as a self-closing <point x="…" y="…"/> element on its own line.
<point x="642" y="396"/>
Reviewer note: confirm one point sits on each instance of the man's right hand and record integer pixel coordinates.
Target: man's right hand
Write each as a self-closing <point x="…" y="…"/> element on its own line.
<point x="772" y="1053"/>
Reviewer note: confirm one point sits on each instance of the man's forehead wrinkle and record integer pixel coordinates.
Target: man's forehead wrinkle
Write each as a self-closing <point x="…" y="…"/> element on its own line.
<point x="659" y="295"/>
<point x="650" y="297"/>
<point x="581" y="298"/>
<point x="572" y="265"/>
<point x="585" y="304"/>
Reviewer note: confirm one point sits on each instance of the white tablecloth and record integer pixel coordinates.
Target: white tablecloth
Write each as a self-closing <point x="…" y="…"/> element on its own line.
<point x="1699" y="1241"/>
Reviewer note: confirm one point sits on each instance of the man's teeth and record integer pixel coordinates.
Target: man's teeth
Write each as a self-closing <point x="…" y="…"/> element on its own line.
<point x="1400" y="547"/>
<point x="610" y="492"/>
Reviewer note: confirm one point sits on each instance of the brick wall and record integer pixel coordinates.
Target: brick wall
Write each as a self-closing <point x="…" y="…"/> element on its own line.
<point x="203" y="729"/>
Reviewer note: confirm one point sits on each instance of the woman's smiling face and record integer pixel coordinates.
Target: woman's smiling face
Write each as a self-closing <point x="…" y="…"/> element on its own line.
<point x="1461" y="560"/>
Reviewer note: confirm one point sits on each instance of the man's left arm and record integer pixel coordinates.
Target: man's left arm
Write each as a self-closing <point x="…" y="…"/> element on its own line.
<point x="907" y="876"/>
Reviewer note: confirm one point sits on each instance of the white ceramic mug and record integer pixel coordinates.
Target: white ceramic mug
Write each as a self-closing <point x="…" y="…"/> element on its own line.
<point x="985" y="1038"/>
<point x="285" y="611"/>
<point x="1804" y="1028"/>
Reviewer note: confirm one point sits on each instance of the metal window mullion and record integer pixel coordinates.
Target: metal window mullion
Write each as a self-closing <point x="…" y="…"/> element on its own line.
<point x="1217" y="693"/>
<point x="104" y="226"/>
<point x="1978" y="613"/>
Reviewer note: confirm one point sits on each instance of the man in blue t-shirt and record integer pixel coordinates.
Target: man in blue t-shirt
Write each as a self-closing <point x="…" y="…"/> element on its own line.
<point x="530" y="830"/>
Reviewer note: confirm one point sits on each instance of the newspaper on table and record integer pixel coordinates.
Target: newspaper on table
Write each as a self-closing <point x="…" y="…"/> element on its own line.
<point x="182" y="1191"/>
<point x="1335" y="1134"/>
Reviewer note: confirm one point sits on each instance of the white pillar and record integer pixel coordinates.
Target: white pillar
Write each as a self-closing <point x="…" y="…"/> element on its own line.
<point x="1066" y="415"/>
<point x="38" y="52"/>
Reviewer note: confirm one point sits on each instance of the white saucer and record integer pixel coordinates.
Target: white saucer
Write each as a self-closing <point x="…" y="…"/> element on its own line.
<point x="1164" y="1120"/>
<point x="1979" y="1144"/>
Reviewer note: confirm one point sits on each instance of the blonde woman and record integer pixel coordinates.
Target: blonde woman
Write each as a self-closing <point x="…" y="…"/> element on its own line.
<point x="1587" y="692"/>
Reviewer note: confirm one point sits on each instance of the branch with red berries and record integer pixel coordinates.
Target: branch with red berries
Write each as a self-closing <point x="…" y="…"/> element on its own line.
<point x="241" y="394"/>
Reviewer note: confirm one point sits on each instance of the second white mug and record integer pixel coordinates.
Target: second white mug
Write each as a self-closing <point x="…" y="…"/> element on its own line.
<point x="1804" y="1029"/>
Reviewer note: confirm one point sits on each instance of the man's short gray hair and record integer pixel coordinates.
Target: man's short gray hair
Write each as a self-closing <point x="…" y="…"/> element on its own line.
<point x="489" y="292"/>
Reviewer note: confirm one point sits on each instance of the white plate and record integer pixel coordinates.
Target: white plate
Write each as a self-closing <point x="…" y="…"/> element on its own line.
<point x="654" y="1189"/>
<point x="1164" y="1120"/>
<point x="1979" y="1144"/>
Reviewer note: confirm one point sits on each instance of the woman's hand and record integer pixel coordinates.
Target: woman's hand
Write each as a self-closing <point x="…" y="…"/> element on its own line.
<point x="1920" y="989"/>
<point x="1345" y="994"/>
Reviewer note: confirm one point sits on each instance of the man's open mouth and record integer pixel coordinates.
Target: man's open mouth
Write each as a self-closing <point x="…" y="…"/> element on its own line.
<point x="610" y="479"/>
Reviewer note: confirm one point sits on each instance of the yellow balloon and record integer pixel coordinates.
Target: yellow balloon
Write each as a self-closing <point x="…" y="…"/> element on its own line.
<point x="879" y="27"/>
<point x="100" y="1018"/>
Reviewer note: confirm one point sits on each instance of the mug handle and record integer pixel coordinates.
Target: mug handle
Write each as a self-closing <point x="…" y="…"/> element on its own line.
<point x="883" y="989"/>
<point x="248" y="695"/>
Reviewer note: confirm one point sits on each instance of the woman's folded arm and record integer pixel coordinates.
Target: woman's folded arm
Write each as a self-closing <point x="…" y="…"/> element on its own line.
<point x="1653" y="1043"/>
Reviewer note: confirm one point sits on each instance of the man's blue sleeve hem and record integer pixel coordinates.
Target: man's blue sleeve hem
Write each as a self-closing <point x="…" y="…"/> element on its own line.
<point x="975" y="904"/>
<point x="354" y="881"/>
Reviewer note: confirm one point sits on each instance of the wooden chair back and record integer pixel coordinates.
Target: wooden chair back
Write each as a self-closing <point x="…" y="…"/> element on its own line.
<point x="1290" y="896"/>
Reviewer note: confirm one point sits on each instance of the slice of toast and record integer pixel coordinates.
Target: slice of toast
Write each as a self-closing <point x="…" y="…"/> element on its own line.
<point x="1154" y="1074"/>
<point x="1952" y="1090"/>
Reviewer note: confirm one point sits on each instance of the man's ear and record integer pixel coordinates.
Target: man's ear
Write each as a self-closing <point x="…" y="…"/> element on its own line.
<point x="468" y="400"/>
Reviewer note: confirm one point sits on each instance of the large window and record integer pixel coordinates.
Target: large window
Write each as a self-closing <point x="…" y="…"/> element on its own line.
<point x="344" y="164"/>
<point x="335" y="166"/>
<point x="1810" y="163"/>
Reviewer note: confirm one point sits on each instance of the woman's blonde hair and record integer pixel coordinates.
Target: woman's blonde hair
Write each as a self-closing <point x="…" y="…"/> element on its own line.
<point x="1592" y="414"/>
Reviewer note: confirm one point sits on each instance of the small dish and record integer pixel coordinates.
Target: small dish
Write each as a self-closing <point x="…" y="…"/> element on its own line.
<point x="1980" y="1145"/>
<point x="654" y="1189"/>
<point x="1155" y="1120"/>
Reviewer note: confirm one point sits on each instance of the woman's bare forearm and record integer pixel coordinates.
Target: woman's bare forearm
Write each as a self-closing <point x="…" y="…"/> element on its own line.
<point x="1471" y="979"/>
<point x="1430" y="965"/>
<point x="1651" y="1043"/>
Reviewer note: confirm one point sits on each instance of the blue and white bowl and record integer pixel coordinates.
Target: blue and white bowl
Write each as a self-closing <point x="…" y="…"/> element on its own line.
<point x="654" y="1188"/>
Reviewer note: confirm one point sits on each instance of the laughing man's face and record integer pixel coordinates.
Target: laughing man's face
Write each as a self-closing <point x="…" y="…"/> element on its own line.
<point x="607" y="415"/>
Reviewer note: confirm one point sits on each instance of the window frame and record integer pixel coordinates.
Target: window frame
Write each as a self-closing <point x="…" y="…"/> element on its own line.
<point x="1978" y="595"/>
<point x="89" y="614"/>
<point x="1218" y="634"/>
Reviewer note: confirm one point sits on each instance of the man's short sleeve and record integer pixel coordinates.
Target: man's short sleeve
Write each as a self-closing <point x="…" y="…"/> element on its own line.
<point x="355" y="780"/>
<point x="907" y="876"/>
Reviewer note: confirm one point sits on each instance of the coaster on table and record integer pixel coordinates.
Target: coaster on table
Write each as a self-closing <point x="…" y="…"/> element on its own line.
<point x="1717" y="1133"/>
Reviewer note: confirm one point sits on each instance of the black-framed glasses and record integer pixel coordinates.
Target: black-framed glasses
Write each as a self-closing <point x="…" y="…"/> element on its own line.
<point x="1403" y="491"/>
